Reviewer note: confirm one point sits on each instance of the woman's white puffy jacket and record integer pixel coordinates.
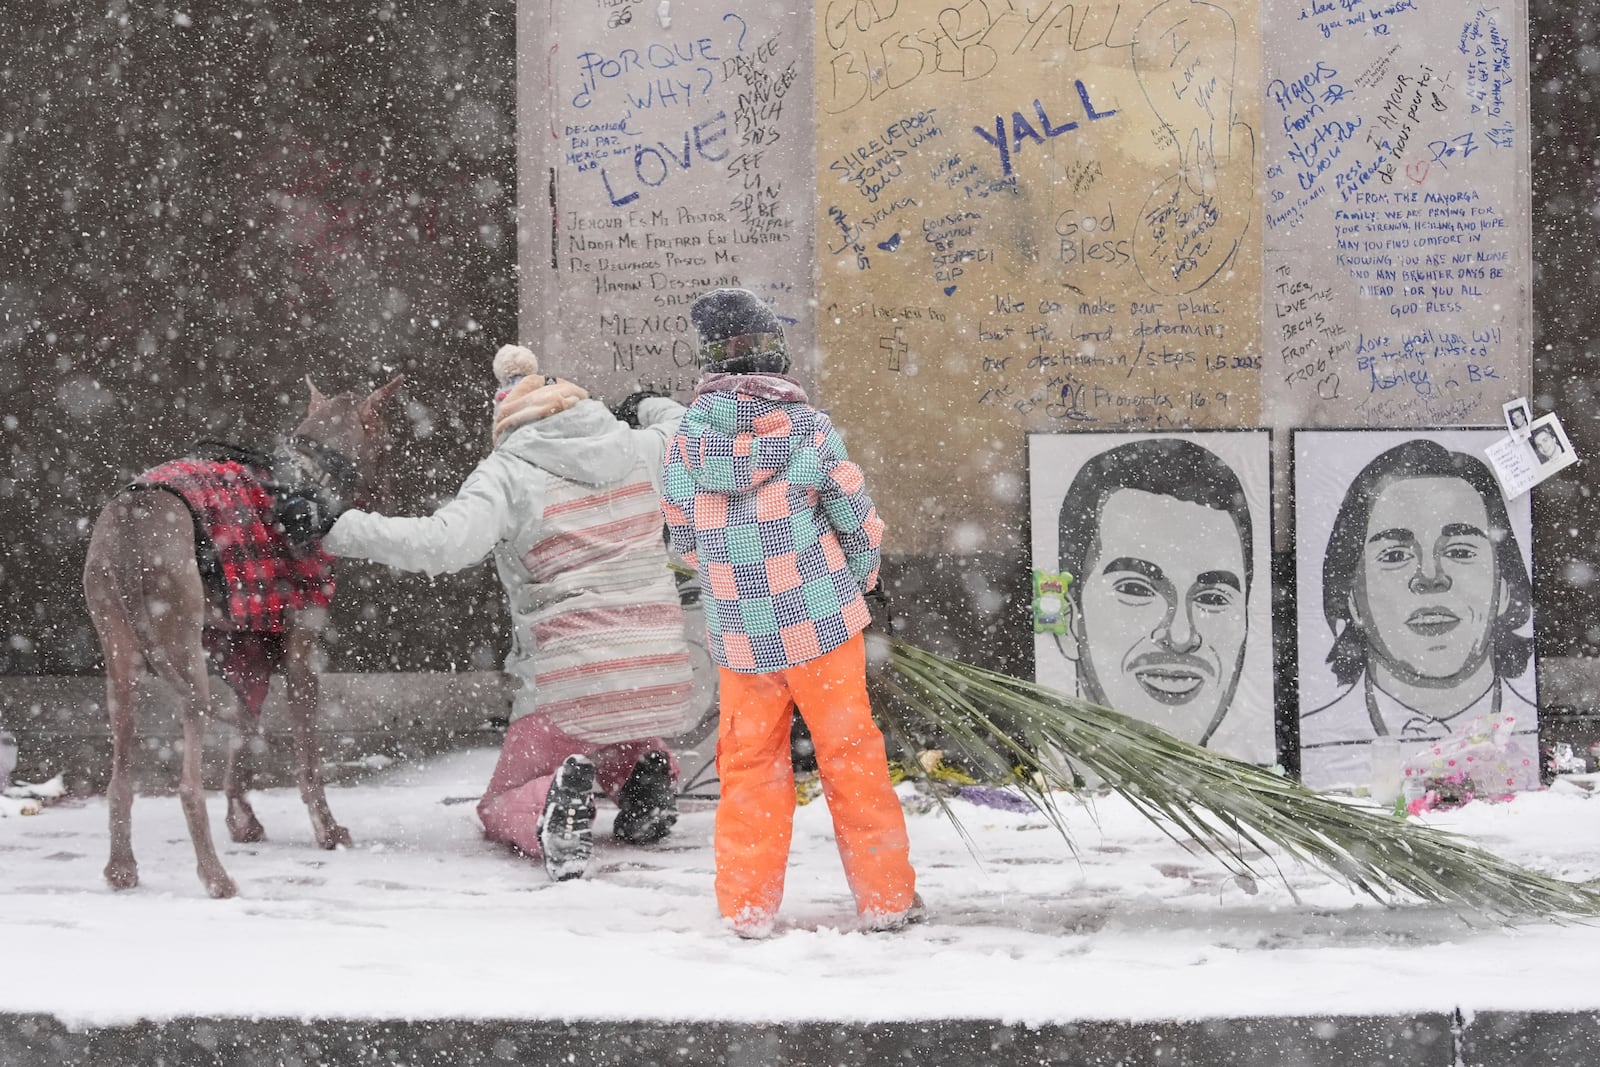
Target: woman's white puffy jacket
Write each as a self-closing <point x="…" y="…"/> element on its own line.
<point x="569" y="505"/>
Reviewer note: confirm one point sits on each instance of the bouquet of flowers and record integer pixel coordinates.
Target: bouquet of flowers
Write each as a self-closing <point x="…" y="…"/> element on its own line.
<point x="1442" y="793"/>
<point x="1477" y="763"/>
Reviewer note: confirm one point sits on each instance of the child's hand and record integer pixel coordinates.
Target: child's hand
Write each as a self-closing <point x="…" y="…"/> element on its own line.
<point x="878" y="607"/>
<point x="628" y="409"/>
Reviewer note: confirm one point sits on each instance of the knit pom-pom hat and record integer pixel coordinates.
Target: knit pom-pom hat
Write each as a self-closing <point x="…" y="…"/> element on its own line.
<point x="522" y="394"/>
<point x="514" y="361"/>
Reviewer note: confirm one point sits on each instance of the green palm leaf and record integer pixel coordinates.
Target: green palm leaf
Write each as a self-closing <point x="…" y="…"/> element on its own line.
<point x="1041" y="742"/>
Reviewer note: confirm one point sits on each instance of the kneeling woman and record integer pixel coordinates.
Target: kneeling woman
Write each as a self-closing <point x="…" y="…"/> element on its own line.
<point x="567" y="504"/>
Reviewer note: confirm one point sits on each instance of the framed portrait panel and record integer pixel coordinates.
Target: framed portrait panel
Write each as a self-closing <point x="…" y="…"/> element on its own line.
<point x="1153" y="580"/>
<point x="1414" y="605"/>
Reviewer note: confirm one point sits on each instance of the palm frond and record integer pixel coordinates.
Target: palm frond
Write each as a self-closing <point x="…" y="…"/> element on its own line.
<point x="1041" y="742"/>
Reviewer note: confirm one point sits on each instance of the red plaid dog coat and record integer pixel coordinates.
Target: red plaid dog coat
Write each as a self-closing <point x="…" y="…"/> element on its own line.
<point x="251" y="571"/>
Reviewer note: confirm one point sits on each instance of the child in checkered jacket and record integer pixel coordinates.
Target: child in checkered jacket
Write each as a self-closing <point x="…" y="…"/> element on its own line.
<point x="761" y="498"/>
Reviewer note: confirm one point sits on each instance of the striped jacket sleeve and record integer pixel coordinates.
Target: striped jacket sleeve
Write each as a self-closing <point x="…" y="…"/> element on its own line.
<point x="677" y="502"/>
<point x="462" y="532"/>
<point x="847" y="506"/>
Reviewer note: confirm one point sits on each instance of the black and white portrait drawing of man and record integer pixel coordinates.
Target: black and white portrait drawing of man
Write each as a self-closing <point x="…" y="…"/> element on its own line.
<point x="1415" y="600"/>
<point x="1168" y="614"/>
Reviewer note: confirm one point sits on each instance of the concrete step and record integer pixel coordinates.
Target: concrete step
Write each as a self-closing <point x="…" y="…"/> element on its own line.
<point x="1444" y="1039"/>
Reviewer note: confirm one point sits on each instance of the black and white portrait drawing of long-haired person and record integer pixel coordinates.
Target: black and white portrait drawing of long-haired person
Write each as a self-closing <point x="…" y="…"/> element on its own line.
<point x="1167" y="614"/>
<point x="1415" y="601"/>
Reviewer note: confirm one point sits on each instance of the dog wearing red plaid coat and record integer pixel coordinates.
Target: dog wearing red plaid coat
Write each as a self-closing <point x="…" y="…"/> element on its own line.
<point x="192" y="559"/>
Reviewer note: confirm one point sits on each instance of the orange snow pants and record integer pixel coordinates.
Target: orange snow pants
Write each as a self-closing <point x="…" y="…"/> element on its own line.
<point x="755" y="817"/>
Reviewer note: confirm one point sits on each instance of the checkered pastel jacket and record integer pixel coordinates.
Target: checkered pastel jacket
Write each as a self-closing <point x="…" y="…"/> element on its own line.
<point x="761" y="498"/>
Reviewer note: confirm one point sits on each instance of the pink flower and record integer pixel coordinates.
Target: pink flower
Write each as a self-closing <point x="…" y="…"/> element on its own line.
<point x="1426" y="802"/>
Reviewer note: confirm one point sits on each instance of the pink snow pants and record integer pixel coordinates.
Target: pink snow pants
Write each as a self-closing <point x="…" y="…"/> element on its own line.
<point x="532" y="752"/>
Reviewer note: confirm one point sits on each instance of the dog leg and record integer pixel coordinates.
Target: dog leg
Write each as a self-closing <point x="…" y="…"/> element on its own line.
<point x="304" y="693"/>
<point x="184" y="668"/>
<point x="174" y="606"/>
<point x="109" y="612"/>
<point x="192" y="793"/>
<point x="122" y="870"/>
<point x="243" y="826"/>
<point x="186" y="671"/>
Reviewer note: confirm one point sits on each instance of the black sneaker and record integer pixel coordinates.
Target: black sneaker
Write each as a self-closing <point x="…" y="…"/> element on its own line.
<point x="566" y="826"/>
<point x="647" y="806"/>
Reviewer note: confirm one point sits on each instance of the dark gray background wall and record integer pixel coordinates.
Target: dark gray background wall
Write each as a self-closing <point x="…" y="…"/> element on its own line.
<point x="1565" y="61"/>
<point x="198" y="210"/>
<point x="202" y="203"/>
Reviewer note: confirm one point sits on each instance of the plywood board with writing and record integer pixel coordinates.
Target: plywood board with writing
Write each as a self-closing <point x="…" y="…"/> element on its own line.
<point x="681" y="154"/>
<point x="1036" y="216"/>
<point x="1396" y="259"/>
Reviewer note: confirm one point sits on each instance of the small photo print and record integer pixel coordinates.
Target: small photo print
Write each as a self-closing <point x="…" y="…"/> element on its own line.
<point x="1518" y="416"/>
<point x="1548" y="441"/>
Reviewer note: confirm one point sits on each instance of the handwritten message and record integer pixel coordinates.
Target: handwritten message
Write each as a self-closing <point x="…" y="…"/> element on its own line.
<point x="1032" y="217"/>
<point x="680" y="142"/>
<point x="1393" y="146"/>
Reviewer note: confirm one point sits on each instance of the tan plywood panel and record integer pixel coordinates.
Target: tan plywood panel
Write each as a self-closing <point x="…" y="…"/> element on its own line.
<point x="1030" y="217"/>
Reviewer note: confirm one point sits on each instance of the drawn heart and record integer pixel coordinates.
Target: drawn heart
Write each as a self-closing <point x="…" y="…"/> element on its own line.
<point x="1328" y="388"/>
<point x="891" y="244"/>
<point x="949" y="290"/>
<point x="1418" y="171"/>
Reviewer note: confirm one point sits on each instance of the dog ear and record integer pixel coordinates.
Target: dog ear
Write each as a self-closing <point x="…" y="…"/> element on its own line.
<point x="317" y="399"/>
<point x="374" y="401"/>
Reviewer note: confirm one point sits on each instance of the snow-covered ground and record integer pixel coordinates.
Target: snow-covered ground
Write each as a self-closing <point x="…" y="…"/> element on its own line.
<point x="423" y="919"/>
